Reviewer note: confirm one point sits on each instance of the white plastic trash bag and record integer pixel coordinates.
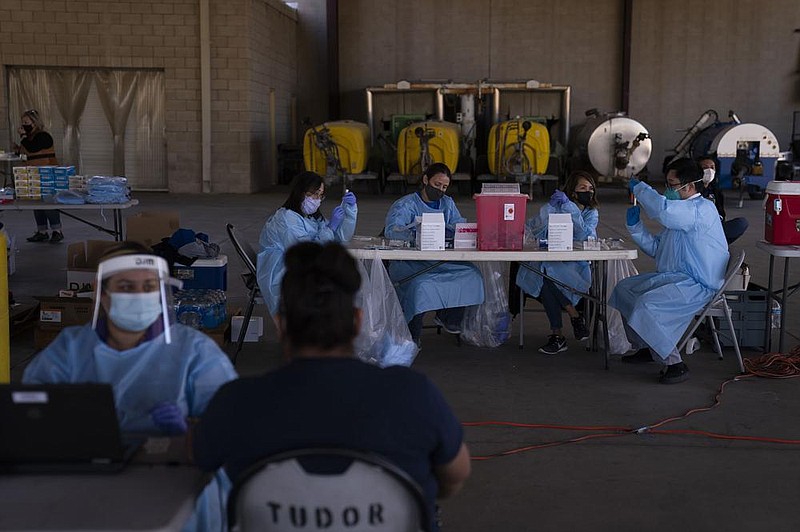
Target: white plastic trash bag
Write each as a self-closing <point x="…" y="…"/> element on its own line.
<point x="384" y="339"/>
<point x="489" y="324"/>
<point x="616" y="270"/>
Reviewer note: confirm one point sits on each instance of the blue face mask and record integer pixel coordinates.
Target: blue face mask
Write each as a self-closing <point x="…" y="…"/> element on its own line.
<point x="134" y="312"/>
<point x="310" y="205"/>
<point x="672" y="194"/>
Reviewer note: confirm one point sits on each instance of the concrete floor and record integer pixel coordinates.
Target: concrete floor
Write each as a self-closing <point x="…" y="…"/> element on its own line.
<point x="622" y="483"/>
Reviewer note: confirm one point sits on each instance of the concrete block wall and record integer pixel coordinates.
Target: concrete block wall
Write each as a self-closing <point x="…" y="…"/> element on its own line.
<point x="273" y="68"/>
<point x="163" y="34"/>
<point x="686" y="56"/>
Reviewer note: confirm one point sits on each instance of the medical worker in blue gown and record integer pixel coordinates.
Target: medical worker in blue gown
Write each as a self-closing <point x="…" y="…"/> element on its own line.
<point x="449" y="287"/>
<point x="579" y="201"/>
<point x="161" y="372"/>
<point x="691" y="257"/>
<point x="299" y="219"/>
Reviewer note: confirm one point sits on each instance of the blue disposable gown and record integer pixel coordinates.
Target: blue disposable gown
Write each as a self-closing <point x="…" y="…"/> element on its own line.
<point x="575" y="274"/>
<point x="284" y="229"/>
<point x="449" y="285"/>
<point x="186" y="372"/>
<point x="691" y="257"/>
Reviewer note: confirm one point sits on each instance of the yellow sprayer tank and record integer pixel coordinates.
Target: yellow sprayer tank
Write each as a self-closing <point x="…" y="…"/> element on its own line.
<point x="347" y="138"/>
<point x="442" y="140"/>
<point x="505" y="157"/>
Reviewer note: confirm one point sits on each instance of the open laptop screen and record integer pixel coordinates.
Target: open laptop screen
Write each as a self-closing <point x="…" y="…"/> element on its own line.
<point x="46" y="426"/>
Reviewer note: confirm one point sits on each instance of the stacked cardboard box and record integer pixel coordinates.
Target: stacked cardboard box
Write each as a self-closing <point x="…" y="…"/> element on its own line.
<point x="27" y="183"/>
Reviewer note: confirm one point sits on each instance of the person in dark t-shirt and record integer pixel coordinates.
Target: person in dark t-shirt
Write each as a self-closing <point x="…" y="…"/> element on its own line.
<point x="733" y="228"/>
<point x="325" y="397"/>
<point x="37" y="145"/>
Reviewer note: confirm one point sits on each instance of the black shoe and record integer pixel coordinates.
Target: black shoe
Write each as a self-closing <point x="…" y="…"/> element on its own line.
<point x="56" y="237"/>
<point x="674" y="374"/>
<point x="38" y="236"/>
<point x="642" y="356"/>
<point x="579" y="328"/>
<point x="555" y="344"/>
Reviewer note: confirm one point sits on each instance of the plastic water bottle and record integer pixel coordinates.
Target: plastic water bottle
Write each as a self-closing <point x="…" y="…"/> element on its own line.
<point x="776" y="315"/>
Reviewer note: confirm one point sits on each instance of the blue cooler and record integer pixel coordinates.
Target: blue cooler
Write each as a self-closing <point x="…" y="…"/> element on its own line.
<point x="204" y="273"/>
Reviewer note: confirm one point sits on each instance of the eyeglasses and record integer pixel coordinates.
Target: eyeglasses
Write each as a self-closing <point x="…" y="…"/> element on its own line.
<point x="320" y="195"/>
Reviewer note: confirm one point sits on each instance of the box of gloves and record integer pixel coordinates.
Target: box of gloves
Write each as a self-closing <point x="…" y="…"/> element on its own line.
<point x="430" y="231"/>
<point x="559" y="232"/>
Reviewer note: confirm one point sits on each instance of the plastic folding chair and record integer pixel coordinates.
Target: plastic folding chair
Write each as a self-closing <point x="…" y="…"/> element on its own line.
<point x="249" y="257"/>
<point x="326" y="489"/>
<point x="718" y="308"/>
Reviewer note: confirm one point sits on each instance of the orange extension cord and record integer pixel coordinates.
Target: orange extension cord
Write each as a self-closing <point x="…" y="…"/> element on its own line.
<point x="771" y="365"/>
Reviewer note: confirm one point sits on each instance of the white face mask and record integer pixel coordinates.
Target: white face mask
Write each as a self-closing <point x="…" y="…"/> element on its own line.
<point x="310" y="205"/>
<point x="134" y="312"/>
<point x="708" y="175"/>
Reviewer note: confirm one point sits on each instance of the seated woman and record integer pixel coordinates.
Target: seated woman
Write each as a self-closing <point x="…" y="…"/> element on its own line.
<point x="580" y="203"/>
<point x="325" y="397"/>
<point x="299" y="219"/>
<point x="161" y="372"/>
<point x="447" y="288"/>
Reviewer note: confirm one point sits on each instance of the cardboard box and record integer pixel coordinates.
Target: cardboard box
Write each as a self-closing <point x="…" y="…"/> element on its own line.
<point x="466" y="236"/>
<point x="559" y="232"/>
<point x="55" y="313"/>
<point x="149" y="227"/>
<point x="255" y="329"/>
<point x="82" y="260"/>
<point x="43" y="337"/>
<point x="430" y="231"/>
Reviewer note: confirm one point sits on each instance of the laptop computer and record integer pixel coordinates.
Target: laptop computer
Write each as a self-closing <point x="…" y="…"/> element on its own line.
<point x="51" y="428"/>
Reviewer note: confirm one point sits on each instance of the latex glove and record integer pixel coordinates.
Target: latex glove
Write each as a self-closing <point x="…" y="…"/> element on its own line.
<point x="169" y="418"/>
<point x="337" y="217"/>
<point x="349" y="199"/>
<point x="632" y="182"/>
<point x="632" y="215"/>
<point x="558" y="198"/>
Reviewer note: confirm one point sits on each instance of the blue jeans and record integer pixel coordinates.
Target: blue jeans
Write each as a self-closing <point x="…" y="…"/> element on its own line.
<point x="734" y="228"/>
<point x="553" y="301"/>
<point x="44" y="217"/>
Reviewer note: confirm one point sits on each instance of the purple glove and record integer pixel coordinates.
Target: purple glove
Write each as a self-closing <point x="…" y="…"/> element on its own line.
<point x="167" y="416"/>
<point x="349" y="198"/>
<point x="558" y="198"/>
<point x="337" y="217"/>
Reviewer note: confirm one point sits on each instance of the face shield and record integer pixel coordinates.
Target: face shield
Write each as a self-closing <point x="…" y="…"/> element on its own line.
<point x="135" y="288"/>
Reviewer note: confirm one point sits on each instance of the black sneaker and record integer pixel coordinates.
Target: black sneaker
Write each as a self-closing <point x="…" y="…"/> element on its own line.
<point x="642" y="356"/>
<point x="555" y="344"/>
<point x="579" y="328"/>
<point x="674" y="374"/>
<point x="56" y="237"/>
<point x="38" y="237"/>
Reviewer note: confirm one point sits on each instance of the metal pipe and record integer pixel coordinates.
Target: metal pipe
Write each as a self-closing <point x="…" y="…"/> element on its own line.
<point x="370" y="117"/>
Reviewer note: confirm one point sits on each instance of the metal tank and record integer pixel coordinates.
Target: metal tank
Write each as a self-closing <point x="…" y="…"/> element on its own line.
<point x="613" y="144"/>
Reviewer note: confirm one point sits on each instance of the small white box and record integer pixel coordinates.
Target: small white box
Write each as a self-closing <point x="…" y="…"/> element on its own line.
<point x="430" y="231"/>
<point x="466" y="236"/>
<point x="741" y="279"/>
<point x="559" y="232"/>
<point x="255" y="329"/>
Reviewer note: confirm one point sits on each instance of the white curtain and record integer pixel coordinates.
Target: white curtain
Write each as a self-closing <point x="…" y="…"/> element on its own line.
<point x="28" y="88"/>
<point x="89" y="121"/>
<point x="70" y="89"/>
<point x="116" y="90"/>
<point x="151" y="137"/>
